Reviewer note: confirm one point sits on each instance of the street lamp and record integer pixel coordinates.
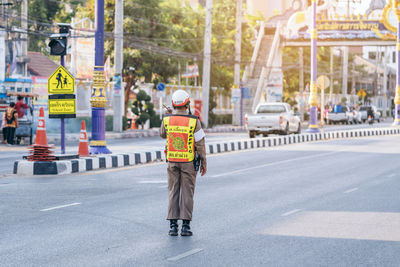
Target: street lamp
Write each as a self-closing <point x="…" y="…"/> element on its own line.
<point x="313" y="99"/>
<point x="396" y="7"/>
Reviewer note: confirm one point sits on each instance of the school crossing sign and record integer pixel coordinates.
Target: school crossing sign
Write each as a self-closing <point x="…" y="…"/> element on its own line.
<point x="61" y="82"/>
<point x="61" y="89"/>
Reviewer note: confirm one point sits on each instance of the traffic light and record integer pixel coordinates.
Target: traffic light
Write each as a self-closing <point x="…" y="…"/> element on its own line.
<point x="58" y="42"/>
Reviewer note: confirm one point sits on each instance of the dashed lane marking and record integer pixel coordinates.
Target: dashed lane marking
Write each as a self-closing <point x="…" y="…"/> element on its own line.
<point x="62" y="206"/>
<point x="276" y="163"/>
<point x="153" y="182"/>
<point x="391" y="175"/>
<point x="186" y="254"/>
<point x="350" y="190"/>
<point x="290" y="212"/>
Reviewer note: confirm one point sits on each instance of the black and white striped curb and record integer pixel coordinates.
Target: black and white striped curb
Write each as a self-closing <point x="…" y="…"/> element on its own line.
<point x="24" y="167"/>
<point x="296" y="138"/>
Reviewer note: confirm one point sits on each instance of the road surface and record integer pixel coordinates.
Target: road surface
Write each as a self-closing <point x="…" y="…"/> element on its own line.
<point x="327" y="203"/>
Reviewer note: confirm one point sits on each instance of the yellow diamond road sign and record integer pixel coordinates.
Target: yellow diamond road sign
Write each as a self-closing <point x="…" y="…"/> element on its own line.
<point x="61" y="82"/>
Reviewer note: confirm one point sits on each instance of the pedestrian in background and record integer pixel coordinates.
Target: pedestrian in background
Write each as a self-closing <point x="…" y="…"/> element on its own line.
<point x="185" y="151"/>
<point x="21" y="107"/>
<point x="11" y="123"/>
<point x="3" y="128"/>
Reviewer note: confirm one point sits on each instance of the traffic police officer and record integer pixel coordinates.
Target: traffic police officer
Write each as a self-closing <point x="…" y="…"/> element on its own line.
<point x="185" y="142"/>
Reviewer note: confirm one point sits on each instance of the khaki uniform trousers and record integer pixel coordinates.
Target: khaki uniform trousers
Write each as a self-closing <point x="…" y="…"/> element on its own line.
<point x="181" y="184"/>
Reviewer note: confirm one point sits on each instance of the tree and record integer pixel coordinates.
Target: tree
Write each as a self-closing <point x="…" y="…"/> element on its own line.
<point x="41" y="14"/>
<point x="143" y="108"/>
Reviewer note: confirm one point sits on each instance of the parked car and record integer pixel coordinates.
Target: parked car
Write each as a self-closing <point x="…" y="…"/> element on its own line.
<point x="272" y="118"/>
<point x="340" y="114"/>
<point x="365" y="110"/>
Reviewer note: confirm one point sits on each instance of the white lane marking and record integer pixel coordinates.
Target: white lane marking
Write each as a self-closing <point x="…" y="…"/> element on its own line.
<point x="183" y="255"/>
<point x="391" y="175"/>
<point x="350" y="190"/>
<point x="153" y="182"/>
<point x="276" y="163"/>
<point x="62" y="206"/>
<point x="290" y="212"/>
<point x="163" y="186"/>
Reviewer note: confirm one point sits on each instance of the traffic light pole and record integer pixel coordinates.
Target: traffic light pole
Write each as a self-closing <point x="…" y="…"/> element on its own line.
<point x="62" y="62"/>
<point x="98" y="97"/>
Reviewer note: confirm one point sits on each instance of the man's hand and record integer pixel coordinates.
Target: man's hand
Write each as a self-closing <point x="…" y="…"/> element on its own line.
<point x="203" y="170"/>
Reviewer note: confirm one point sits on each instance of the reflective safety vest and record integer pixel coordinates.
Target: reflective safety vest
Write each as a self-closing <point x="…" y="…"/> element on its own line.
<point x="180" y="137"/>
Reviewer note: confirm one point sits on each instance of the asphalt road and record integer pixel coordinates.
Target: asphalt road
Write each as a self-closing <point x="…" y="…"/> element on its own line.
<point x="331" y="203"/>
<point x="8" y="155"/>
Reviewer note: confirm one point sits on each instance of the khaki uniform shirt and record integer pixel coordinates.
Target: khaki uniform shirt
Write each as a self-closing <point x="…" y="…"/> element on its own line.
<point x="199" y="144"/>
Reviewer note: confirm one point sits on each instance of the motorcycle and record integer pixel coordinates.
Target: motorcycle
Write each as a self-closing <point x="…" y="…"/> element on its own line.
<point x="370" y="120"/>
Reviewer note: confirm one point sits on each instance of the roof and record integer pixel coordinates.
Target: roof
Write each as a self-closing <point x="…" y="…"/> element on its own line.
<point x="40" y="65"/>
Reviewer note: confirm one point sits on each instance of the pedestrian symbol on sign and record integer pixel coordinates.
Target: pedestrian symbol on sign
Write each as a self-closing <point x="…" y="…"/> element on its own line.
<point x="61" y="82"/>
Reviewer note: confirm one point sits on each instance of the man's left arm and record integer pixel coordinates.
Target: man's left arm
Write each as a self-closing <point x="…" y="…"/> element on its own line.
<point x="199" y="138"/>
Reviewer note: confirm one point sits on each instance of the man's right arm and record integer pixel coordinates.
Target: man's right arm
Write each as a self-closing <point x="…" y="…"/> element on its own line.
<point x="163" y="132"/>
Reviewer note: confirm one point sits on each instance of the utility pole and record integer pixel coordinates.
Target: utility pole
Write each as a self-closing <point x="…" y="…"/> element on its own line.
<point x="238" y="43"/>
<point x="345" y="70"/>
<point x="24" y="26"/>
<point x="186" y="73"/>
<point x="118" y="95"/>
<point x="331" y="72"/>
<point x="179" y="72"/>
<point x="385" y="82"/>
<point x="207" y="62"/>
<point x="301" y="82"/>
<point x="345" y="60"/>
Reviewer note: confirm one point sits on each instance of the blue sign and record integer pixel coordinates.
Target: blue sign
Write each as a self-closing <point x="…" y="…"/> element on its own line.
<point x="160" y="87"/>
<point x="117" y="85"/>
<point x="246" y="93"/>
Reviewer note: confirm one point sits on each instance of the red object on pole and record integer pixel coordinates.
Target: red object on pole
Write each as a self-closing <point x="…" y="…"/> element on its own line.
<point x="198" y="105"/>
<point x="83" y="142"/>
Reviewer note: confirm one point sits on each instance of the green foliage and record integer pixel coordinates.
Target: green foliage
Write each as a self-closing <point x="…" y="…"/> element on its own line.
<point x="143" y="108"/>
<point x="291" y="68"/>
<point x="155" y="121"/>
<point x="156" y="30"/>
<point x="124" y="123"/>
<point x="222" y="119"/>
<point x="41" y="11"/>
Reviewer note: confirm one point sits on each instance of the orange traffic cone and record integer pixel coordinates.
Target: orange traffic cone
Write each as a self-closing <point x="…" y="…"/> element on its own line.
<point x="41" y="151"/>
<point x="83" y="142"/>
<point x="41" y="136"/>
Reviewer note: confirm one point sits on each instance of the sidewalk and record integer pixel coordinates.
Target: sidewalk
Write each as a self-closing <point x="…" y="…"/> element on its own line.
<point x="74" y="137"/>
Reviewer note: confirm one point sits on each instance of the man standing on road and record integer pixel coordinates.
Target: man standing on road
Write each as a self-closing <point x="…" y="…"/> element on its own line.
<point x="185" y="146"/>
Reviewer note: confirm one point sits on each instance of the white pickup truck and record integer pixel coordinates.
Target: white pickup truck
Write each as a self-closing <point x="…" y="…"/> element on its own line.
<point x="340" y="115"/>
<point x="272" y="118"/>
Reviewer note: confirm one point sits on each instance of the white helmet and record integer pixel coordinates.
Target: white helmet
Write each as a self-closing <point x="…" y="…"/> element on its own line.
<point x="180" y="98"/>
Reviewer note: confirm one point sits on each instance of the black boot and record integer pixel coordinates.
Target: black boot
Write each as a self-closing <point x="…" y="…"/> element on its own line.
<point x="185" y="231"/>
<point x="173" y="225"/>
